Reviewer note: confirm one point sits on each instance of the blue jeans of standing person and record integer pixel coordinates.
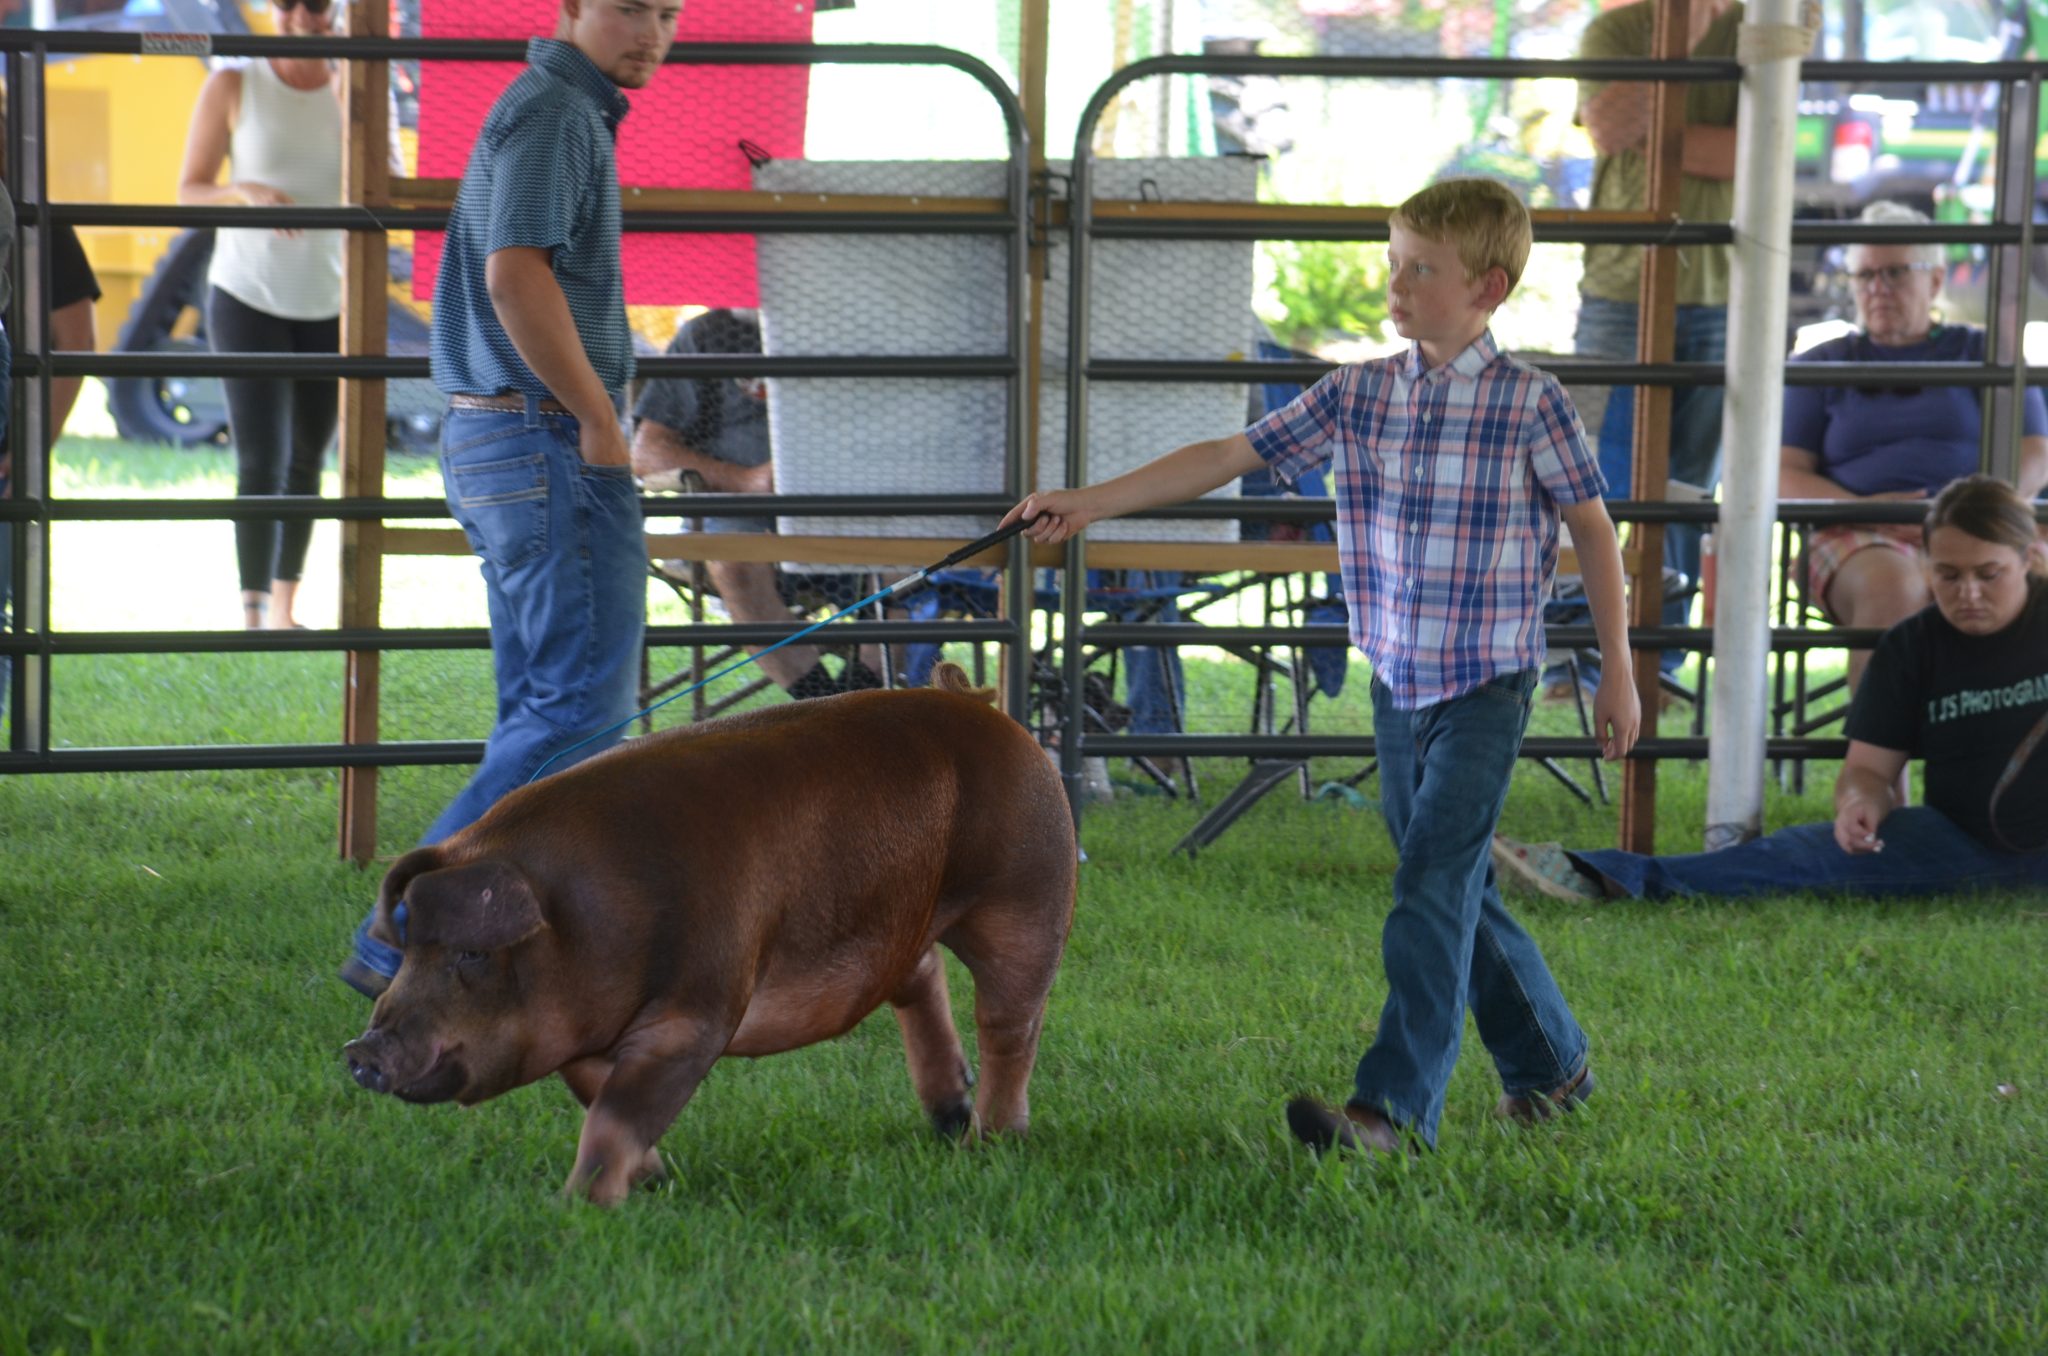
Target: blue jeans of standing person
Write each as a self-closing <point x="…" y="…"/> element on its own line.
<point x="564" y="561"/>
<point x="1449" y="943"/>
<point x="1607" y="329"/>
<point x="1154" y="687"/>
<point x="1925" y="853"/>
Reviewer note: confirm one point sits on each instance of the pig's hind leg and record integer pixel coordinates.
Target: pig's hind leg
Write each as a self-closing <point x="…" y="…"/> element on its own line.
<point x="1013" y="952"/>
<point x="938" y="1067"/>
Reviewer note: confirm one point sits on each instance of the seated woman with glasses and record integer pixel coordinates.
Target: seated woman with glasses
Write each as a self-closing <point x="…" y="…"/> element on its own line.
<point x="1963" y="686"/>
<point x="1899" y="442"/>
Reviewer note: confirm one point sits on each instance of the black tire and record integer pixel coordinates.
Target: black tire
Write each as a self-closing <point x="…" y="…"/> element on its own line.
<point x="182" y="411"/>
<point x="412" y="407"/>
<point x="2037" y="264"/>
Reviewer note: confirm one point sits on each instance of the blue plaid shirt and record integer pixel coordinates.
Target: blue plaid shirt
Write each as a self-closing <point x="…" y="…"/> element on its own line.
<point x="542" y="174"/>
<point x="1447" y="483"/>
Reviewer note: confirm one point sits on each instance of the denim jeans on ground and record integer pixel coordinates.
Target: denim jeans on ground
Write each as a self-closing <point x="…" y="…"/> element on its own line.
<point x="1450" y="943"/>
<point x="1607" y="329"/>
<point x="565" y="572"/>
<point x="1924" y="854"/>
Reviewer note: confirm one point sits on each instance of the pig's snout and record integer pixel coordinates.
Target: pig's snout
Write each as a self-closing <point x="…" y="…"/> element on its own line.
<point x="366" y="1061"/>
<point x="383" y="1062"/>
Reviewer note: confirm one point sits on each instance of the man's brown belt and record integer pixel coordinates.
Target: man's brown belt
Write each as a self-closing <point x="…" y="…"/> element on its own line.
<point x="509" y="401"/>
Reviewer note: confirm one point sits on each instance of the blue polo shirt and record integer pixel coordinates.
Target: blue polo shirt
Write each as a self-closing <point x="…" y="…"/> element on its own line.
<point x="1876" y="439"/>
<point x="542" y="174"/>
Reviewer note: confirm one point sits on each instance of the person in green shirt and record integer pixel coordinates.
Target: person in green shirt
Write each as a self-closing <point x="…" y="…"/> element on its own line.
<point x="1616" y="116"/>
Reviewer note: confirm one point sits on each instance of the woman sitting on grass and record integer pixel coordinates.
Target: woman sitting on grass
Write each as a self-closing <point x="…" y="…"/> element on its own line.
<point x="1962" y="685"/>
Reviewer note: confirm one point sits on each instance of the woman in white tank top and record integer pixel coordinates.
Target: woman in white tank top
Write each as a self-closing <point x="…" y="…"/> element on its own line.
<point x="276" y="124"/>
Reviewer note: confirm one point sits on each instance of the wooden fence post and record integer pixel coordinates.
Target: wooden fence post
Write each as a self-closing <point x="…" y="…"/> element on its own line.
<point x="1655" y="333"/>
<point x="366" y="146"/>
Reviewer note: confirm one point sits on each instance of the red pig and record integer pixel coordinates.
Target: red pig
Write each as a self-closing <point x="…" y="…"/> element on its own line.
<point x="738" y="887"/>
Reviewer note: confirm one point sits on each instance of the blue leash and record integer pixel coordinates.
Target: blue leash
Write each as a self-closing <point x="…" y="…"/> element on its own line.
<point x="902" y="586"/>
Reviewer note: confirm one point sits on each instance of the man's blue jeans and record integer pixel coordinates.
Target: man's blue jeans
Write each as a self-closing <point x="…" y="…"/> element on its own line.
<point x="564" y="562"/>
<point x="1924" y="854"/>
<point x="1607" y="329"/>
<point x="1449" y="942"/>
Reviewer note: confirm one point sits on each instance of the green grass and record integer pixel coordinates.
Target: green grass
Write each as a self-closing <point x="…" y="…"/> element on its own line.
<point x="1799" y="1143"/>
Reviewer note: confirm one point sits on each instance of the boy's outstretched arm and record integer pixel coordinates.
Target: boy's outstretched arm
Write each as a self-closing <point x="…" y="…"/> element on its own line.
<point x="1617" y="714"/>
<point x="1183" y="474"/>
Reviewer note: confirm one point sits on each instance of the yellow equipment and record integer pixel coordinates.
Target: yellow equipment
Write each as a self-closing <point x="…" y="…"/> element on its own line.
<point x="117" y="134"/>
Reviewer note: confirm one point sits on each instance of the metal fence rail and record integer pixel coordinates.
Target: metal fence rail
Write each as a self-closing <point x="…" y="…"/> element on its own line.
<point x="1082" y="368"/>
<point x="34" y="510"/>
<point x="30" y="643"/>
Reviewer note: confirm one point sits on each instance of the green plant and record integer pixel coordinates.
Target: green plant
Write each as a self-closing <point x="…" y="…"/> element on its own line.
<point x="1319" y="287"/>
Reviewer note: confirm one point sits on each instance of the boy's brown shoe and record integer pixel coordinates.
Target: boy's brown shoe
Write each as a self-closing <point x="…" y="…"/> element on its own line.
<point x="1355" y="1128"/>
<point x="1531" y="1107"/>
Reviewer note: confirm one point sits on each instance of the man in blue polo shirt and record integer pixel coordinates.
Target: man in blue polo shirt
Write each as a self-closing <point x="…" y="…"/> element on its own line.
<point x="531" y="345"/>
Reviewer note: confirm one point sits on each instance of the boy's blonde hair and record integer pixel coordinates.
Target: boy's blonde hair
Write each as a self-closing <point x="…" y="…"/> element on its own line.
<point x="1482" y="217"/>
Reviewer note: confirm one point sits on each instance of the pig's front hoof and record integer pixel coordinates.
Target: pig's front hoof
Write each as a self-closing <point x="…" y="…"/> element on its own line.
<point x="601" y="1183"/>
<point x="606" y="1191"/>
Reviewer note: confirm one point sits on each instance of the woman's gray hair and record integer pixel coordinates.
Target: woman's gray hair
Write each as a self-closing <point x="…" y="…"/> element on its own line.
<point x="1885" y="212"/>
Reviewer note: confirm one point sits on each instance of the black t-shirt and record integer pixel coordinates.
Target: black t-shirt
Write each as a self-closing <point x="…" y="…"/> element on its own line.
<point x="722" y="417"/>
<point x="1963" y="704"/>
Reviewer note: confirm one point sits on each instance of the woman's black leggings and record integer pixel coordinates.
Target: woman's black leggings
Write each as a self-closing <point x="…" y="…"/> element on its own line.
<point x="281" y="430"/>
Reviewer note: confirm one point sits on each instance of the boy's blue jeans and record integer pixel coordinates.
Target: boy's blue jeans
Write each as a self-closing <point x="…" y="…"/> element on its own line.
<point x="564" y="561"/>
<point x="1449" y="943"/>
<point x="1924" y="853"/>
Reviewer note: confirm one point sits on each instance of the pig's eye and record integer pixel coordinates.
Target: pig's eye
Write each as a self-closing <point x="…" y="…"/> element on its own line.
<point x="469" y="960"/>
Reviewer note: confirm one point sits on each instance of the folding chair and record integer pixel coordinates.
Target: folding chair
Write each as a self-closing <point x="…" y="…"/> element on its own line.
<point x="1567" y="607"/>
<point x="807" y="595"/>
<point x="1305" y="670"/>
<point x="1132" y="596"/>
<point x="1791" y="712"/>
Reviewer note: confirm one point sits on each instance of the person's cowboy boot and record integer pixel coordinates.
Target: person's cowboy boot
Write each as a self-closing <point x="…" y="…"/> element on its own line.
<point x="1531" y="1107"/>
<point x="1357" y="1129"/>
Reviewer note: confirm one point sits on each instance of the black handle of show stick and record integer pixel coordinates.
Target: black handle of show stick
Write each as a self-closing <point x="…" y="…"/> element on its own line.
<point x="975" y="548"/>
<point x="1002" y="534"/>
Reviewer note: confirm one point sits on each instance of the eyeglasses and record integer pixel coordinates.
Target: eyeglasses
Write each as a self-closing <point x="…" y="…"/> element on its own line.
<point x="1893" y="276"/>
<point x="310" y="6"/>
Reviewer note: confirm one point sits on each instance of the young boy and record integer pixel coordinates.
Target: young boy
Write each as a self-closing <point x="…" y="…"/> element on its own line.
<point x="1452" y="465"/>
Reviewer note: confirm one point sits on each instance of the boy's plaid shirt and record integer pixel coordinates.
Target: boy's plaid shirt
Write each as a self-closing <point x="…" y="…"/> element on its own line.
<point x="1447" y="485"/>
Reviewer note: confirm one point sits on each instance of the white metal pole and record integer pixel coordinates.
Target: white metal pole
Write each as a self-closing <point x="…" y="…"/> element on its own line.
<point x="1771" y="42"/>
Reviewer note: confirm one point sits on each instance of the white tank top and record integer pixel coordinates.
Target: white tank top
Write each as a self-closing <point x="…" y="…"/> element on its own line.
<point x="290" y="139"/>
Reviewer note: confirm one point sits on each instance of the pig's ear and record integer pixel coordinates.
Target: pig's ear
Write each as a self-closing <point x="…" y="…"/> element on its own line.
<point x="480" y="906"/>
<point x="383" y="926"/>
